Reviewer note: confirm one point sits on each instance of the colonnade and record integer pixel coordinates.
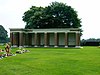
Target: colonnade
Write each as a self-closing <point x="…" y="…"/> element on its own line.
<point x="35" y="39"/>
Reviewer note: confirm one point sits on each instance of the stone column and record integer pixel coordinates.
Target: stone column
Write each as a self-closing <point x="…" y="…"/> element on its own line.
<point x="66" y="40"/>
<point x="45" y="40"/>
<point x="48" y="38"/>
<point x="77" y="39"/>
<point x="38" y="39"/>
<point x="11" y="38"/>
<point x="26" y="39"/>
<point x="14" y="40"/>
<point x="35" y="40"/>
<point x="56" y="40"/>
<point x="23" y="39"/>
<point x="30" y="39"/>
<point x="20" y="39"/>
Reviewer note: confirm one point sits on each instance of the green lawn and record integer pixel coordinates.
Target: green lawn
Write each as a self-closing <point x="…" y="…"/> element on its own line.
<point x="53" y="61"/>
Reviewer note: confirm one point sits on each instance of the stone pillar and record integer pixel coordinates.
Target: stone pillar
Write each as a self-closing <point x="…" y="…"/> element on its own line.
<point x="77" y="39"/>
<point x="20" y="39"/>
<point x="66" y="40"/>
<point x="14" y="39"/>
<point x="38" y="39"/>
<point x="30" y="39"/>
<point x="45" y="40"/>
<point x="11" y="38"/>
<point x="24" y="39"/>
<point x="35" y="40"/>
<point x="48" y="38"/>
<point x="56" y="40"/>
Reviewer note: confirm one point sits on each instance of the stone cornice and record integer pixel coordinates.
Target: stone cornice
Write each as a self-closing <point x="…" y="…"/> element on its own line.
<point x="50" y="30"/>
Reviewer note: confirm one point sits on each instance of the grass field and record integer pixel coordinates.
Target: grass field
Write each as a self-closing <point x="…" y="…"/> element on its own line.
<point x="53" y="61"/>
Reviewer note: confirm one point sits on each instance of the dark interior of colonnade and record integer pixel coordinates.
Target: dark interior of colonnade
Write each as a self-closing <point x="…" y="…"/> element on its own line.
<point x="71" y="39"/>
<point x="61" y="39"/>
<point x="15" y="39"/>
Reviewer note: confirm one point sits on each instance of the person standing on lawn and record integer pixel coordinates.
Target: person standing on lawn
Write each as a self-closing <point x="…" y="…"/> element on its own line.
<point x="7" y="48"/>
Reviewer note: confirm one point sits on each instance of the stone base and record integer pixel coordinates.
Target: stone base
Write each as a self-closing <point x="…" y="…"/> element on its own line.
<point x="45" y="46"/>
<point x="55" y="46"/>
<point x="66" y="46"/>
<point x="78" y="47"/>
<point x="35" y="46"/>
<point x="14" y="46"/>
<point x="26" y="46"/>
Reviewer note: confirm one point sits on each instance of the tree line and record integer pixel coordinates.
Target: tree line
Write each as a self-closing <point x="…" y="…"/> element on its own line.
<point x="90" y="42"/>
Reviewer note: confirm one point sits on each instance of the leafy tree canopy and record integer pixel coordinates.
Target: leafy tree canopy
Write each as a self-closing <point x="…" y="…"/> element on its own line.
<point x="55" y="15"/>
<point x="3" y="34"/>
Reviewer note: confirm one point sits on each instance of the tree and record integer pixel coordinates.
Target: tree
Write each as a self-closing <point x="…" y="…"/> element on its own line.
<point x="32" y="16"/>
<point x="56" y="15"/>
<point x="3" y="34"/>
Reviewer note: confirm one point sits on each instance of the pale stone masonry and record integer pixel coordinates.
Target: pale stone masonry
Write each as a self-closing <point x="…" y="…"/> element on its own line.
<point x="55" y="37"/>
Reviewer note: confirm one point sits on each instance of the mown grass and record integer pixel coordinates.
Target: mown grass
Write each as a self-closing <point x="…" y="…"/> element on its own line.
<point x="53" y="61"/>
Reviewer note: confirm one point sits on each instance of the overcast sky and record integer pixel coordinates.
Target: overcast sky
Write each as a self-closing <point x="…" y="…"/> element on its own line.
<point x="11" y="12"/>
